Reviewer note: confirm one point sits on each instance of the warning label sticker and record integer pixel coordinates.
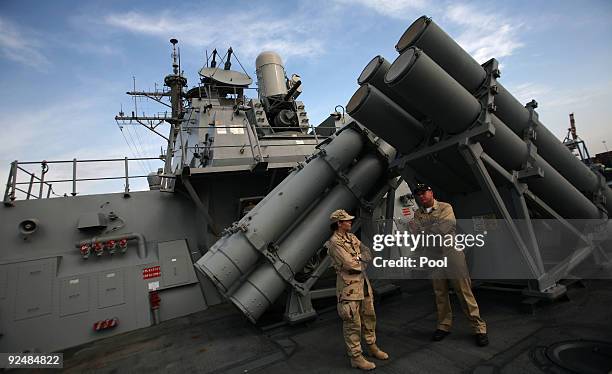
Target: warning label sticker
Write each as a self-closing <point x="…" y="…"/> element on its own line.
<point x="152" y="272"/>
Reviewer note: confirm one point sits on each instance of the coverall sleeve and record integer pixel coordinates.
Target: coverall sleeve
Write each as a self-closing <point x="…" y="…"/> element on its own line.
<point x="343" y="259"/>
<point x="416" y="226"/>
<point x="445" y="223"/>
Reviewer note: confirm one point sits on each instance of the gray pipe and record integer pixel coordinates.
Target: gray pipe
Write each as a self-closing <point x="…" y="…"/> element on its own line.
<point x="516" y="116"/>
<point x="265" y="285"/>
<point x="429" y="37"/>
<point x="142" y="244"/>
<point x="511" y="152"/>
<point x="374" y="74"/>
<point x="233" y="256"/>
<point x="420" y="81"/>
<point x="425" y="34"/>
<point x="380" y="114"/>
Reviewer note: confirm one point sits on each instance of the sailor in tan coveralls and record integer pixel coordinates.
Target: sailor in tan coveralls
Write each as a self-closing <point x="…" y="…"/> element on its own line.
<point x="355" y="298"/>
<point x="436" y="217"/>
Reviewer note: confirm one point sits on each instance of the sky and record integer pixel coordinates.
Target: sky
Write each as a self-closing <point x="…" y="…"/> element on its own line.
<point x="65" y="66"/>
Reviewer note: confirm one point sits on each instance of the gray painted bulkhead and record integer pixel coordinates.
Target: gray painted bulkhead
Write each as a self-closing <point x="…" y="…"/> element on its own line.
<point x="50" y="296"/>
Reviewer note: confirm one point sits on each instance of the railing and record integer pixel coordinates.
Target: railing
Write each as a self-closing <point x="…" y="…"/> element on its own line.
<point x="45" y="187"/>
<point x="12" y="184"/>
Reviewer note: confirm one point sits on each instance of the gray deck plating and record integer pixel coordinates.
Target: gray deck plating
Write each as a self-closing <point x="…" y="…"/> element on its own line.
<point x="220" y="340"/>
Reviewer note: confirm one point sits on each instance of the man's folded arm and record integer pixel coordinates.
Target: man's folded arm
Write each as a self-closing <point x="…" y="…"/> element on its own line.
<point x="445" y="223"/>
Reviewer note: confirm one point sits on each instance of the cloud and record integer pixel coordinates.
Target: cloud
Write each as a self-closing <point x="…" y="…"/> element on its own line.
<point x="560" y="97"/>
<point x="91" y="48"/>
<point x="579" y="97"/>
<point x="21" y="46"/>
<point x="64" y="171"/>
<point x="74" y="127"/>
<point x="47" y="122"/>
<point x="484" y="35"/>
<point x="250" y="32"/>
<point x="526" y="92"/>
<point x="555" y="102"/>
<point x="400" y="9"/>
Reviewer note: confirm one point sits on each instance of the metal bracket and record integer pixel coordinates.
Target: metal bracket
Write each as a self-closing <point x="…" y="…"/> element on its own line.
<point x="484" y="130"/>
<point x="549" y="277"/>
<point x="316" y="274"/>
<point x="599" y="198"/>
<point x="299" y="166"/>
<point x="333" y="162"/>
<point x="529" y="136"/>
<point x="473" y="155"/>
<point x="299" y="308"/>
<point x="529" y="172"/>
<point x="9" y="193"/>
<point x="486" y="93"/>
<point x="352" y="125"/>
<point x="341" y="177"/>
<point x="286" y="272"/>
<point x="551" y="293"/>
<point x="202" y="208"/>
<point x="270" y="253"/>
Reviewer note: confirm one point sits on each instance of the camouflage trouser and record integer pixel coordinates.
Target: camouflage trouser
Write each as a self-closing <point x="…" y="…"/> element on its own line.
<point x="463" y="289"/>
<point x="357" y="316"/>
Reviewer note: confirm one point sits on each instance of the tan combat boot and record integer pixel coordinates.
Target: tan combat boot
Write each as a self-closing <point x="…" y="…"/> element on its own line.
<point x="360" y="362"/>
<point x="377" y="352"/>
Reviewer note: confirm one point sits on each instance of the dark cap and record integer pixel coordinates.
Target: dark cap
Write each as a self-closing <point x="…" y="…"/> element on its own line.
<point x="421" y="188"/>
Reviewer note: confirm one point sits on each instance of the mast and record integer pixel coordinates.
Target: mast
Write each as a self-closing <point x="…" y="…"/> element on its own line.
<point x="175" y="82"/>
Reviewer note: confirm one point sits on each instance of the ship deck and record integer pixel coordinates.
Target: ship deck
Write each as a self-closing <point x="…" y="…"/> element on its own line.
<point x="221" y="340"/>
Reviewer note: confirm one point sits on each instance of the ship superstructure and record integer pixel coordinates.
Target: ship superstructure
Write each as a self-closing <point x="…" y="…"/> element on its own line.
<point x="240" y="210"/>
<point x="77" y="268"/>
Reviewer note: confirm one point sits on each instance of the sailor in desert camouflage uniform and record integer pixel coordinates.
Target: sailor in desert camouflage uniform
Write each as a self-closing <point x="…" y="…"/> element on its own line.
<point x="355" y="298"/>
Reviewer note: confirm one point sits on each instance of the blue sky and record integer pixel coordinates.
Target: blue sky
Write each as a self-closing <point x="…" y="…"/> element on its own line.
<point x="65" y="65"/>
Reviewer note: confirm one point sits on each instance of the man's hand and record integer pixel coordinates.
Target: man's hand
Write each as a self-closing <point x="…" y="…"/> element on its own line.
<point x="417" y="226"/>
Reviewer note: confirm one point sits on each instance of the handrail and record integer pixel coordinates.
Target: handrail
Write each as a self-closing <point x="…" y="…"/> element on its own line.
<point x="16" y="166"/>
<point x="87" y="179"/>
<point x="12" y="183"/>
<point x="311" y="127"/>
<point x="90" y="160"/>
<point x="243" y="145"/>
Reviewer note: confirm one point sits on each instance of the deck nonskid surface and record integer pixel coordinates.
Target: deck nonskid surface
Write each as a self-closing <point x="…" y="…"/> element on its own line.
<point x="220" y="340"/>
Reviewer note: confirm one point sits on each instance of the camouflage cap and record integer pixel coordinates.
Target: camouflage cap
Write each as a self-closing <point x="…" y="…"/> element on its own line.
<point x="340" y="215"/>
